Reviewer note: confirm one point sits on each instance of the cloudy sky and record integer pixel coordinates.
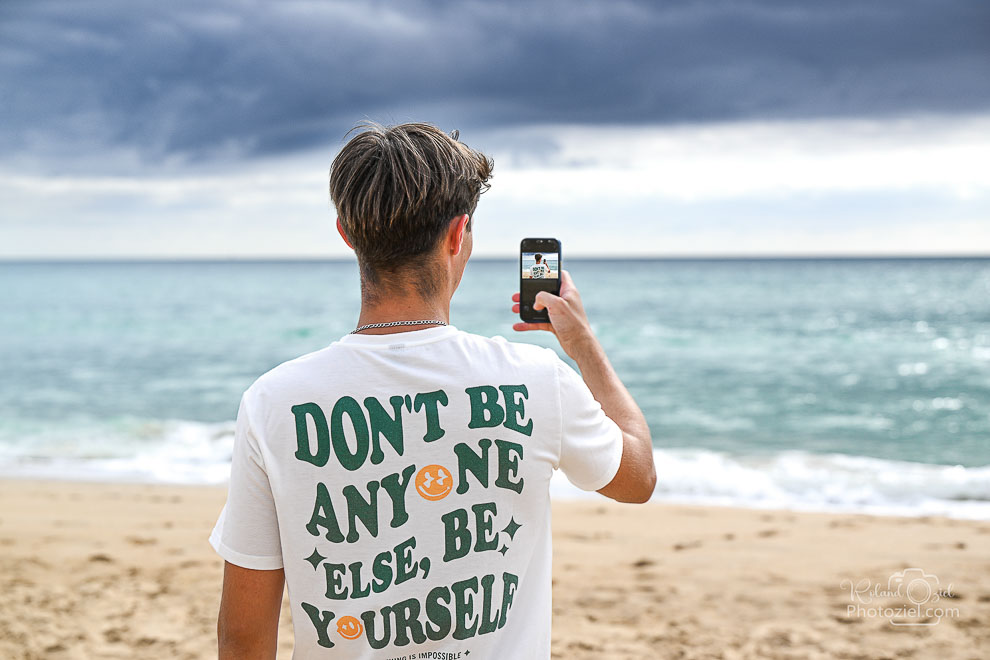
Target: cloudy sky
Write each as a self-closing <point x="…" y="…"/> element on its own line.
<point x="702" y="127"/>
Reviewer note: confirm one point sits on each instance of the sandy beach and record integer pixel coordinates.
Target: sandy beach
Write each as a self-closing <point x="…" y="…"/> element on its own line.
<point x="124" y="571"/>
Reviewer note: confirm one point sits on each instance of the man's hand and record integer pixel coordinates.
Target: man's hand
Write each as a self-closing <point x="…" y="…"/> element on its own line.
<point x="567" y="317"/>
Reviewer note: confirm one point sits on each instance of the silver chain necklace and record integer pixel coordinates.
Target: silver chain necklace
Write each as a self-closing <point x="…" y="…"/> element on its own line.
<point x="394" y="323"/>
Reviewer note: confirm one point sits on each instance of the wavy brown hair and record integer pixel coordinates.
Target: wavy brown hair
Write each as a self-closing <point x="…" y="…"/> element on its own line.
<point x="397" y="188"/>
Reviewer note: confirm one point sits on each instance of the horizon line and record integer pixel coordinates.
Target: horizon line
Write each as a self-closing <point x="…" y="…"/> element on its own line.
<point x="579" y="257"/>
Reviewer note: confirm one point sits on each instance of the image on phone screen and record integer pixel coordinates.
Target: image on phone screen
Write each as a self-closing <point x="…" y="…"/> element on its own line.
<point x="539" y="266"/>
<point x="539" y="270"/>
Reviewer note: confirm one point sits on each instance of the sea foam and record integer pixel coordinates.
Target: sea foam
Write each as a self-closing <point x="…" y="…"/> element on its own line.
<point x="804" y="481"/>
<point x="195" y="453"/>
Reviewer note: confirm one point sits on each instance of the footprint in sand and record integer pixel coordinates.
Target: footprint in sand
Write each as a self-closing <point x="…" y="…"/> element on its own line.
<point x="687" y="545"/>
<point x="141" y="540"/>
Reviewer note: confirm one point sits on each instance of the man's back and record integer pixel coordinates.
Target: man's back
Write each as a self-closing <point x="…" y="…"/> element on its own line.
<point x="401" y="480"/>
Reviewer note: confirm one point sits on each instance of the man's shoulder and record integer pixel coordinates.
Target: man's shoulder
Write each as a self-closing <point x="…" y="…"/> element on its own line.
<point x="499" y="343"/>
<point x="291" y="370"/>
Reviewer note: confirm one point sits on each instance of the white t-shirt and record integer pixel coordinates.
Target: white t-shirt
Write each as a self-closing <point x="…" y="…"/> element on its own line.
<point x="539" y="271"/>
<point x="401" y="481"/>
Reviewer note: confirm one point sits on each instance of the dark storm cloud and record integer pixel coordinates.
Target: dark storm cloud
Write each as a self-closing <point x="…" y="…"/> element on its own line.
<point x="230" y="79"/>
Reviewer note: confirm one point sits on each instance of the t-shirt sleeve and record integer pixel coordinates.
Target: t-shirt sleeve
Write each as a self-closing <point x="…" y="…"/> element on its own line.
<point x="590" y="442"/>
<point x="246" y="533"/>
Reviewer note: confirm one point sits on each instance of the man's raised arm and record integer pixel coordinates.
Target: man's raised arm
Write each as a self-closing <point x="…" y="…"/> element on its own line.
<point x="636" y="478"/>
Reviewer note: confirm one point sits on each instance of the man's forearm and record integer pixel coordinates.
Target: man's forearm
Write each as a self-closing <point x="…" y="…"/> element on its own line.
<point x="604" y="383"/>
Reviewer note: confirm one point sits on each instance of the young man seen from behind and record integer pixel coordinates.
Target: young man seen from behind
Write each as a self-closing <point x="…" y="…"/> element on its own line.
<point x="397" y="480"/>
<point x="539" y="270"/>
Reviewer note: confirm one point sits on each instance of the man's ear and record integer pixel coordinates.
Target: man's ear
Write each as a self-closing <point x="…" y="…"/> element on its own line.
<point x="340" y="230"/>
<point x="458" y="227"/>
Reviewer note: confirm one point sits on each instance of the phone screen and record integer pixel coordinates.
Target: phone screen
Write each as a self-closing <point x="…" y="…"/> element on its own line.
<point x="539" y="270"/>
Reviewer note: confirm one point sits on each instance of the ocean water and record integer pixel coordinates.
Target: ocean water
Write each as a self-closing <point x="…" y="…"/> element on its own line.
<point x="852" y="385"/>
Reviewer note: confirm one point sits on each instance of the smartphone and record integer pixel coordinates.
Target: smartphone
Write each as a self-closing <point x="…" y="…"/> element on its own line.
<point x="539" y="270"/>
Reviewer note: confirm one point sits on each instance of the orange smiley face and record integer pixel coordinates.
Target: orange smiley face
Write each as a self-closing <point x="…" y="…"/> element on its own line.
<point x="434" y="482"/>
<point x="349" y="627"/>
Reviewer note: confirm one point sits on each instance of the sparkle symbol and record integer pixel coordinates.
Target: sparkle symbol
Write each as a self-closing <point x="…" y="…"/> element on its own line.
<point x="512" y="528"/>
<point x="315" y="559"/>
<point x="503" y="549"/>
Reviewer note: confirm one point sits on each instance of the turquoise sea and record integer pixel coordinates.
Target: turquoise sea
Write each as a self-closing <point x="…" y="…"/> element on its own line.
<point x="845" y="384"/>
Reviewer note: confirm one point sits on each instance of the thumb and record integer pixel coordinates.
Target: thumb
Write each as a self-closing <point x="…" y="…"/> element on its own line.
<point x="545" y="299"/>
